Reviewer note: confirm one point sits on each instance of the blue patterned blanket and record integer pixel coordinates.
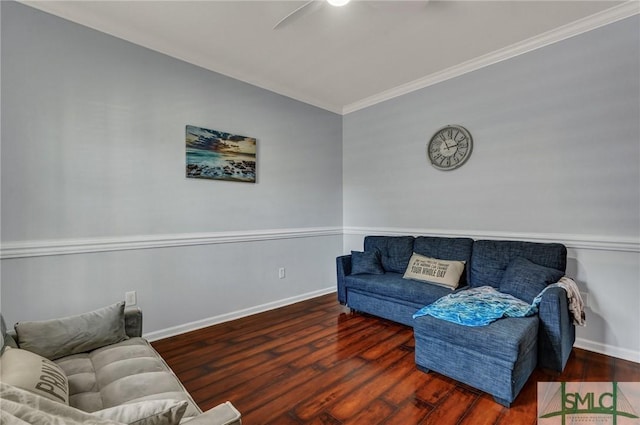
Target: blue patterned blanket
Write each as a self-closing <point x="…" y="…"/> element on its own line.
<point x="478" y="307"/>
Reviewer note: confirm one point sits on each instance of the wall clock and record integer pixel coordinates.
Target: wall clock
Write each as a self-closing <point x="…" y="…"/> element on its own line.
<point x="450" y="147"/>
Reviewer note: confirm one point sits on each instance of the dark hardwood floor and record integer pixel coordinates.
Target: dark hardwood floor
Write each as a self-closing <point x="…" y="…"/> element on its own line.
<point x="315" y="362"/>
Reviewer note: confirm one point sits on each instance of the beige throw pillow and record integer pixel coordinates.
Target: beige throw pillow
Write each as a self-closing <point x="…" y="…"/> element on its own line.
<point x="432" y="270"/>
<point x="23" y="407"/>
<point x="34" y="373"/>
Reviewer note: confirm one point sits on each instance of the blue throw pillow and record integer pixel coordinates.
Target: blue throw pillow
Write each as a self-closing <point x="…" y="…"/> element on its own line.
<point x="367" y="262"/>
<point x="525" y="280"/>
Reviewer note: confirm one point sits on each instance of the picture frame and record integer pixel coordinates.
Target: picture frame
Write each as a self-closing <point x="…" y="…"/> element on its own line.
<point x="218" y="155"/>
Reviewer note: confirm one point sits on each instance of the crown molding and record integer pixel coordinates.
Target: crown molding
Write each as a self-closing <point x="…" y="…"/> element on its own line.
<point x="606" y="17"/>
<point x="44" y="248"/>
<point x="611" y="15"/>
<point x="572" y="241"/>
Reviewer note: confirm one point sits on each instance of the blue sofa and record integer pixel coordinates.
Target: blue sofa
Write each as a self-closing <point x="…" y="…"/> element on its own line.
<point x="497" y="358"/>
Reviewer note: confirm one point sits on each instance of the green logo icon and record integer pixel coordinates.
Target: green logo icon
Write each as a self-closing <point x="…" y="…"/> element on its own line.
<point x="590" y="399"/>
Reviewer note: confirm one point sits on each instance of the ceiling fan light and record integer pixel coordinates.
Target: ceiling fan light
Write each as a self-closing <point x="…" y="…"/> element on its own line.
<point x="338" y="3"/>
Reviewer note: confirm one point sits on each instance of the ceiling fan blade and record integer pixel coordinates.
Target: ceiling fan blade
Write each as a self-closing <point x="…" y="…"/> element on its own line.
<point x="299" y="12"/>
<point x="395" y="5"/>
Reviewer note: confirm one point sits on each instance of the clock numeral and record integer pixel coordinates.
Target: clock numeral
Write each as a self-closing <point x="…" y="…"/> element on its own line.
<point x="438" y="159"/>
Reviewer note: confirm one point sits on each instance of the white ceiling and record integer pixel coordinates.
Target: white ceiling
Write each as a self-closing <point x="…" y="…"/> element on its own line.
<point x="342" y="59"/>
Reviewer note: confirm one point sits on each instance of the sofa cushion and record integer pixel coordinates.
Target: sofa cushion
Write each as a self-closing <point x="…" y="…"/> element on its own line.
<point x="392" y="285"/>
<point x="506" y="339"/>
<point x="491" y="258"/>
<point x="74" y="334"/>
<point x="34" y="373"/>
<point x="525" y="280"/>
<point x="395" y="251"/>
<point x="367" y="262"/>
<point x="150" y="412"/>
<point x="126" y="372"/>
<point x="432" y="270"/>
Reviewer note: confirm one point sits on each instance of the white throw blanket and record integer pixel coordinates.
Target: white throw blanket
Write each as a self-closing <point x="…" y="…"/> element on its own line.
<point x="576" y="305"/>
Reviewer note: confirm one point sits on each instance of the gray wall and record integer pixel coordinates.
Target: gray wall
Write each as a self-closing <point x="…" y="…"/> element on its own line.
<point x="93" y="166"/>
<point x="556" y="158"/>
<point x="95" y="202"/>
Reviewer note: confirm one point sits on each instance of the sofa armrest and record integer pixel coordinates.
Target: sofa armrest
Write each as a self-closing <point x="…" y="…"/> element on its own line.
<point x="222" y="414"/>
<point x="343" y="268"/>
<point x="133" y="321"/>
<point x="557" y="332"/>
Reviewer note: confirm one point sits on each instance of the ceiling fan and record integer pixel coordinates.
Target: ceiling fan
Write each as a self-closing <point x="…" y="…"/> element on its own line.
<point x="311" y="6"/>
<point x="308" y="7"/>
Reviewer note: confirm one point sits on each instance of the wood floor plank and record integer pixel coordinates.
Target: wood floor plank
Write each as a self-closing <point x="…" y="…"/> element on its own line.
<point x="331" y="395"/>
<point x="322" y="419"/>
<point x="600" y="369"/>
<point x="452" y="408"/>
<point x="375" y="413"/>
<point x="399" y="394"/>
<point x="485" y="411"/>
<point x="359" y="399"/>
<point x="436" y="388"/>
<point x="385" y="345"/>
<point x="626" y="371"/>
<point x="412" y="412"/>
<point x="291" y="391"/>
<point x="317" y="363"/>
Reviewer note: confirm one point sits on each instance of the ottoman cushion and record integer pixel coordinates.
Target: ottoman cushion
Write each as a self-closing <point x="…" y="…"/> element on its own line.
<point x="506" y="339"/>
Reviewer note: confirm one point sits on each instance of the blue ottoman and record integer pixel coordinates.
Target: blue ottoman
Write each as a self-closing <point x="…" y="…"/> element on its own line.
<point x="497" y="358"/>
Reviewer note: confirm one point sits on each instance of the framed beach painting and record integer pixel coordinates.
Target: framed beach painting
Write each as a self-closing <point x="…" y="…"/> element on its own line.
<point x="216" y="155"/>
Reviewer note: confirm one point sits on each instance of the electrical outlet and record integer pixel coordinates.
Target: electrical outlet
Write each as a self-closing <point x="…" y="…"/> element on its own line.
<point x="130" y="298"/>
<point x="281" y="272"/>
<point x="585" y="298"/>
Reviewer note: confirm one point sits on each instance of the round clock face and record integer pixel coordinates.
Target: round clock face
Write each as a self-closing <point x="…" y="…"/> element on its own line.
<point x="450" y="147"/>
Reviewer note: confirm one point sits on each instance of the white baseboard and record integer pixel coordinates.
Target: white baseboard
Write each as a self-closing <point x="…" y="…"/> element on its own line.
<point x="609" y="350"/>
<point x="210" y="321"/>
<point x="585" y="344"/>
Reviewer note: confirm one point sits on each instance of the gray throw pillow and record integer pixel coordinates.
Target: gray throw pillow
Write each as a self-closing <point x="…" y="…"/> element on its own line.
<point x="74" y="334"/>
<point x="367" y="262"/>
<point x="525" y="280"/>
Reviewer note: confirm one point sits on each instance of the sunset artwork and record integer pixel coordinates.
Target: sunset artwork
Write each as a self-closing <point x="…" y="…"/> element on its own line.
<point x="216" y="155"/>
